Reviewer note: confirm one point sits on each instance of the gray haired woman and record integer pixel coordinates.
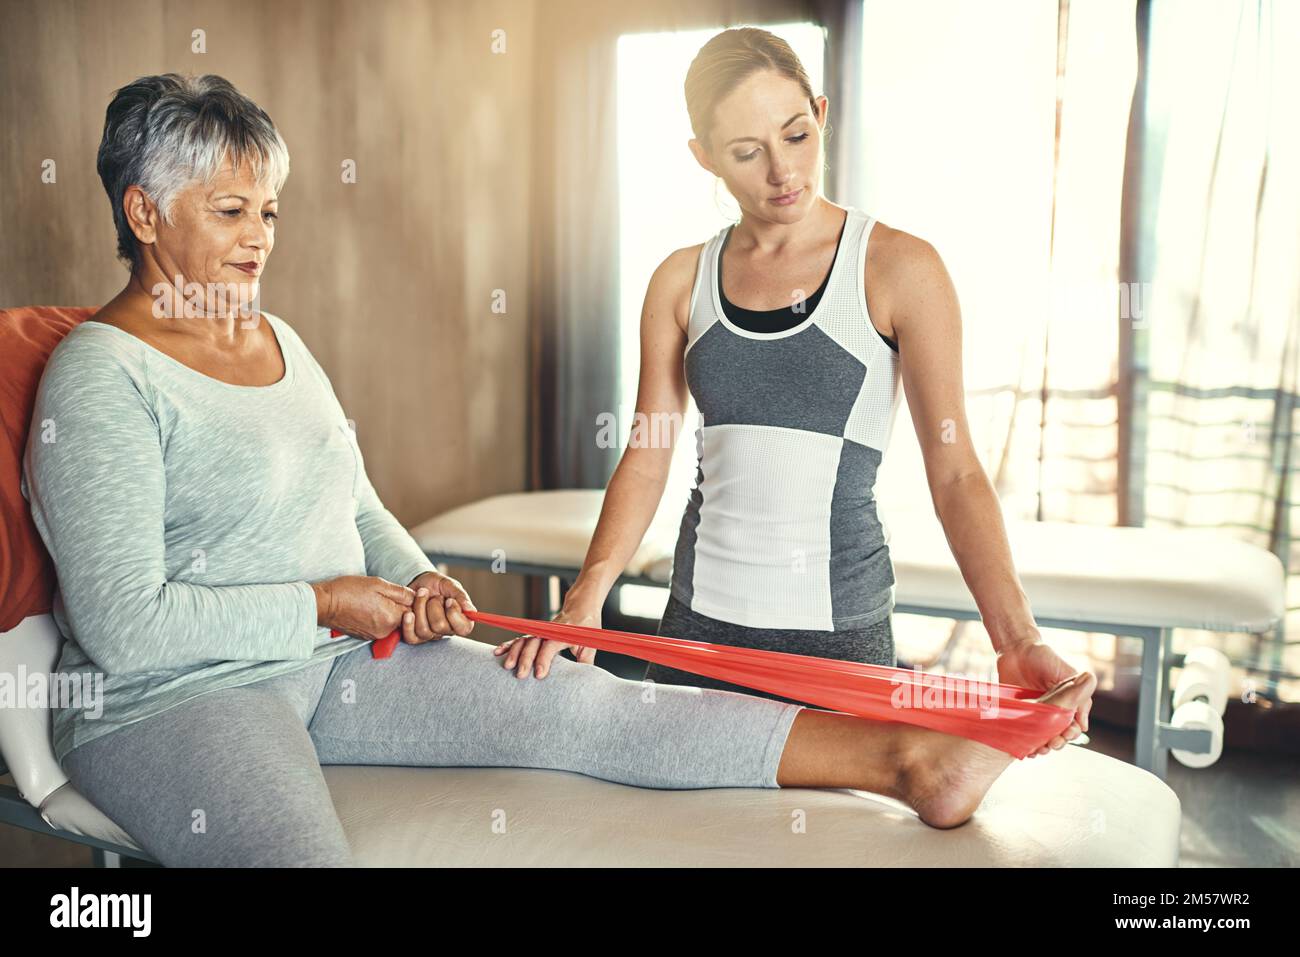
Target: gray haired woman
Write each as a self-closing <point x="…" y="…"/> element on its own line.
<point x="211" y="523"/>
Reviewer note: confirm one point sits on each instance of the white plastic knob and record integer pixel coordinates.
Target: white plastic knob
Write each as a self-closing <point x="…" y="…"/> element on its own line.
<point x="1199" y="715"/>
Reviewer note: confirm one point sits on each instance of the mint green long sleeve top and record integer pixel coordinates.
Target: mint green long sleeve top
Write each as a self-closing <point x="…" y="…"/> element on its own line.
<point x="186" y="517"/>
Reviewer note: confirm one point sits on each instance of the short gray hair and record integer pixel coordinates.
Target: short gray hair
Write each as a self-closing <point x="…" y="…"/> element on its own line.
<point x="163" y="132"/>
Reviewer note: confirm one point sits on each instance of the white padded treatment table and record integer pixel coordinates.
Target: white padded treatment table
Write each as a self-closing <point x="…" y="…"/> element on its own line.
<point x="1134" y="582"/>
<point x="1071" y="808"/>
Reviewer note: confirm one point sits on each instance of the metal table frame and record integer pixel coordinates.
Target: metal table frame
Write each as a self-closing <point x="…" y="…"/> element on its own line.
<point x="15" y="810"/>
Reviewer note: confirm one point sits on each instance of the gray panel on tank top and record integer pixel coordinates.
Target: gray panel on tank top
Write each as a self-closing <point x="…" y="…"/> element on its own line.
<point x="684" y="553"/>
<point x="860" y="569"/>
<point x="805" y="381"/>
<point x="775" y="382"/>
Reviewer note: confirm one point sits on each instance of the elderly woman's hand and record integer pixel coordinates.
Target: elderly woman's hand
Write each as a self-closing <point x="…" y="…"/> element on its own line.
<point x="438" y="610"/>
<point x="362" y="605"/>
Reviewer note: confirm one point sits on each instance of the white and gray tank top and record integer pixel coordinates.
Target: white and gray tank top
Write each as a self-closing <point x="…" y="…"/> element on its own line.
<point x="781" y="530"/>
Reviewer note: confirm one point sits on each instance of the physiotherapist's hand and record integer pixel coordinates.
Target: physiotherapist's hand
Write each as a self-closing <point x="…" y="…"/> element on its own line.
<point x="528" y="653"/>
<point x="1032" y="663"/>
<point x="361" y="605"/>
<point x="438" y="610"/>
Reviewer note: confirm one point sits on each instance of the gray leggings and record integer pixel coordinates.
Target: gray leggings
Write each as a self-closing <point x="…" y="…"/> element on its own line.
<point x="233" y="777"/>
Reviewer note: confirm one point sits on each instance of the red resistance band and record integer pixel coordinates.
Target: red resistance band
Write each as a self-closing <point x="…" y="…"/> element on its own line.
<point x="1000" y="715"/>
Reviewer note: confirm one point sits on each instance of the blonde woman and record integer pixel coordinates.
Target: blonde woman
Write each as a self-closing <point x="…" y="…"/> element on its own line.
<point x="795" y="330"/>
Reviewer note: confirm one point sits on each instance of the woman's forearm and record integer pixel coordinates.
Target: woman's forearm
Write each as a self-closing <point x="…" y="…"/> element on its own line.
<point x="971" y="516"/>
<point x="631" y="500"/>
<point x="179" y="625"/>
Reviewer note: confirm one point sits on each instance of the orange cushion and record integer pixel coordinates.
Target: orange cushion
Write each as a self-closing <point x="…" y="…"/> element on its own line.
<point x="27" y="337"/>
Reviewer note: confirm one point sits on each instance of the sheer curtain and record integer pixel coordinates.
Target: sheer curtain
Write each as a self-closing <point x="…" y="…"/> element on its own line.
<point x="1130" y="345"/>
<point x="1216" y="412"/>
<point x="997" y="133"/>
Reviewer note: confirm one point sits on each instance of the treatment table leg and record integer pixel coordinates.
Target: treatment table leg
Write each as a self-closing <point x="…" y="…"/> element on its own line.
<point x="1153" y="700"/>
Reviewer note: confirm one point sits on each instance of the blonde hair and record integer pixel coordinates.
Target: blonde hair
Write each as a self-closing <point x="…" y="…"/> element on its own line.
<point x="726" y="61"/>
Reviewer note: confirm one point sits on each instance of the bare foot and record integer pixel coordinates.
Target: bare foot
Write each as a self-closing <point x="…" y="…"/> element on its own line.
<point x="945" y="777"/>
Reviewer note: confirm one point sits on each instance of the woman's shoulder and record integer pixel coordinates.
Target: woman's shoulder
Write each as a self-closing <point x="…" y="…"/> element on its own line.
<point x="97" y="373"/>
<point x="287" y="335"/>
<point x="669" y="291"/>
<point x="289" y="339"/>
<point x="679" y="266"/>
<point x="94" y="348"/>
<point x="895" y="253"/>
<point x="898" y="264"/>
<point x="281" y="326"/>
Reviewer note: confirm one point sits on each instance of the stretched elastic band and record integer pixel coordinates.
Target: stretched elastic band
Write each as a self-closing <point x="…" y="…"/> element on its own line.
<point x="1002" y="716"/>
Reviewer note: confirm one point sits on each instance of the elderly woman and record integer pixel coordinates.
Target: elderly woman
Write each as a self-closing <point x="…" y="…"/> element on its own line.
<point x="211" y="522"/>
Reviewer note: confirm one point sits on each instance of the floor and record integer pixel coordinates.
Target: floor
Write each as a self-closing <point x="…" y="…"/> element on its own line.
<point x="1243" y="811"/>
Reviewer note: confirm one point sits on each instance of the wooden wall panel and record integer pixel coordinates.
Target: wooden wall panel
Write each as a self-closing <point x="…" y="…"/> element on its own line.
<point x="389" y="280"/>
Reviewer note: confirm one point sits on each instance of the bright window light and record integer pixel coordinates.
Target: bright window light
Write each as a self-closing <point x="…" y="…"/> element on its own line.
<point x="958" y="132"/>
